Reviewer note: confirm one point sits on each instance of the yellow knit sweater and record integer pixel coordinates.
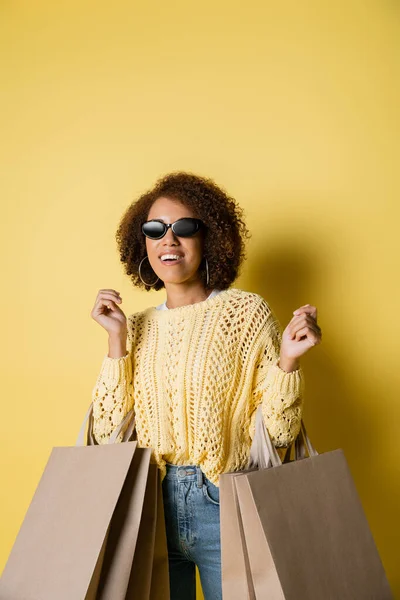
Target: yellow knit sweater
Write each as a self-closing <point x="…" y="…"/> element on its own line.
<point x="195" y="376"/>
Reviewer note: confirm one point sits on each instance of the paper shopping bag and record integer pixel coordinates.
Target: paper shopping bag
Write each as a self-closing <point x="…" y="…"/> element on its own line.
<point x="159" y="589"/>
<point x="149" y="571"/>
<point x="237" y="581"/>
<point x="304" y="527"/>
<point x="149" y="576"/>
<point x="79" y="537"/>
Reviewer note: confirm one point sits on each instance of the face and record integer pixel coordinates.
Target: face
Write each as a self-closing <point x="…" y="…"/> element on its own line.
<point x="190" y="249"/>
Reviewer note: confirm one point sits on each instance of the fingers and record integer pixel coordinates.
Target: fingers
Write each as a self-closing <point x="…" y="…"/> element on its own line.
<point x="109" y="304"/>
<point x="306" y="308"/>
<point x="109" y="301"/>
<point x="108" y="293"/>
<point x="309" y="334"/>
<point x="106" y="300"/>
<point x="303" y="322"/>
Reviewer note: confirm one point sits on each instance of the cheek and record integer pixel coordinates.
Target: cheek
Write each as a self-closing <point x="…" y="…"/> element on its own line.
<point x="197" y="247"/>
<point x="150" y="247"/>
<point x="196" y="252"/>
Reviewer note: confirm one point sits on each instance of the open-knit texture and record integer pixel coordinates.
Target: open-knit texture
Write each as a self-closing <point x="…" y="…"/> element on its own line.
<point x="195" y="375"/>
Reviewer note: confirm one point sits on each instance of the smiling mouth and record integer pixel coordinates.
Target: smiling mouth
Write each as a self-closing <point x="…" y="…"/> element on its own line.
<point x="171" y="261"/>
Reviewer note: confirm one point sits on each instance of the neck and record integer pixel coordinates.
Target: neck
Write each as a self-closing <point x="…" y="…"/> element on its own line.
<point x="182" y="294"/>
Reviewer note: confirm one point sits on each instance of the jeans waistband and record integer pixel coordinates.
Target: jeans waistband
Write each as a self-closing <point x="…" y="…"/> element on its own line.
<point x="185" y="473"/>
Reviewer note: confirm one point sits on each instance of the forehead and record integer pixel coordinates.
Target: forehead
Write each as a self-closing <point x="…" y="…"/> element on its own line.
<point x="169" y="210"/>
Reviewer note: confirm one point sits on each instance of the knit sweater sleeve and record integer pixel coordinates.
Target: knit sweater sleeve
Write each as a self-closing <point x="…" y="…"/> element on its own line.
<point x="281" y="392"/>
<point x="112" y="394"/>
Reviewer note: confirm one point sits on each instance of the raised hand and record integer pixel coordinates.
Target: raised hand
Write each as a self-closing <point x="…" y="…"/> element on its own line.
<point x="301" y="334"/>
<point x="107" y="313"/>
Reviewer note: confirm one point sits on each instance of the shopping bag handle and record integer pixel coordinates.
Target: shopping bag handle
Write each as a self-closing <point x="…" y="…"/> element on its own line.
<point x="263" y="453"/>
<point x="90" y="440"/>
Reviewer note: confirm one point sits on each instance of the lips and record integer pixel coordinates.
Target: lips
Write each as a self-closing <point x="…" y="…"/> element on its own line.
<point x="173" y="253"/>
<point x="170" y="263"/>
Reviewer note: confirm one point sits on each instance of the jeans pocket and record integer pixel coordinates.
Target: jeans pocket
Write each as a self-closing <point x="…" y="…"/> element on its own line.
<point x="211" y="492"/>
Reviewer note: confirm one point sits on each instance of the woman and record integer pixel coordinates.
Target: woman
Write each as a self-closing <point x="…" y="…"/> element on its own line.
<point x="196" y="367"/>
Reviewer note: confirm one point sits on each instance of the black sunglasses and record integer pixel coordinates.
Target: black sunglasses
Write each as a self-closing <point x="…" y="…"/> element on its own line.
<point x="185" y="227"/>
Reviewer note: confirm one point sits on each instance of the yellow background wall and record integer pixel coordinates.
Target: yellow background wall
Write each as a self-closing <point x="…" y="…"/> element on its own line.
<point x="293" y="108"/>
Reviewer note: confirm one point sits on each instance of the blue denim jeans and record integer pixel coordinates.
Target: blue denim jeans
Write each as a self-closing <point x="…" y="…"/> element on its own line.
<point x="191" y="507"/>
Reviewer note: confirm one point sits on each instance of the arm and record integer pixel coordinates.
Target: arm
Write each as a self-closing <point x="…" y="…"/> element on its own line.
<point x="280" y="387"/>
<point x="112" y="394"/>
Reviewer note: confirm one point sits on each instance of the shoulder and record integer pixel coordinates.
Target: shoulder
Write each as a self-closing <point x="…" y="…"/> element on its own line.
<point x="250" y="301"/>
<point x="133" y="321"/>
<point x="251" y="309"/>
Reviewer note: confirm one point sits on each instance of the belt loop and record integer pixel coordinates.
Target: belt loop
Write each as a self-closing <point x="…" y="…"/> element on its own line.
<point x="199" y="477"/>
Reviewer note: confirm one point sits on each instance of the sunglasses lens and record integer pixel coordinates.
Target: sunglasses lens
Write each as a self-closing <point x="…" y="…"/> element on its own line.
<point x="186" y="227"/>
<point x="153" y="229"/>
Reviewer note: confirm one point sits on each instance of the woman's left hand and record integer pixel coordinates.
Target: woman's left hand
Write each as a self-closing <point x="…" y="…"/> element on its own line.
<point x="301" y="334"/>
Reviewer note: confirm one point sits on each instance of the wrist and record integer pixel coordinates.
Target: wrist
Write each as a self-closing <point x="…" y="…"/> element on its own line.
<point x="288" y="364"/>
<point x="118" y="337"/>
<point x="117" y="347"/>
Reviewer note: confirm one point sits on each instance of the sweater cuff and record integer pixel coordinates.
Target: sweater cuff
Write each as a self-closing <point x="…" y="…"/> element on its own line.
<point x="116" y="370"/>
<point x="284" y="387"/>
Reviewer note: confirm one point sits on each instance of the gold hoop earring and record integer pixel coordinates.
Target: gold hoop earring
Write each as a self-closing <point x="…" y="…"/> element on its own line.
<point x="143" y="281"/>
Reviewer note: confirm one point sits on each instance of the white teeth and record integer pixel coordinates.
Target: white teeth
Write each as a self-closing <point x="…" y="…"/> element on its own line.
<point x="173" y="256"/>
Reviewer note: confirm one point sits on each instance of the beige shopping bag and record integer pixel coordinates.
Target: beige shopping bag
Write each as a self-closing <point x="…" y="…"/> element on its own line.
<point x="82" y="532"/>
<point x="237" y="581"/>
<point x="149" y="576"/>
<point x="305" y="531"/>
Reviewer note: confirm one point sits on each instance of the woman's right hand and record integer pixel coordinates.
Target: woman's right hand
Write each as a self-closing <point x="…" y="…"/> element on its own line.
<point x="108" y="314"/>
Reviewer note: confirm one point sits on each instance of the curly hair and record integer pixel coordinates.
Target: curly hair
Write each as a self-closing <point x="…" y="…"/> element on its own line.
<point x="225" y="231"/>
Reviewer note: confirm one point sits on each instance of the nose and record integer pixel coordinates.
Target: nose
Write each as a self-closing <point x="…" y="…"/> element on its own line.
<point x="170" y="236"/>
